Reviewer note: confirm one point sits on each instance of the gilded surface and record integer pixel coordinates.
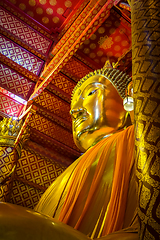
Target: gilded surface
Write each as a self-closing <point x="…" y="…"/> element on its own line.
<point x="146" y="78"/>
<point x="96" y="178"/>
<point x="9" y="129"/>
<point x="7" y="160"/>
<point x="33" y="225"/>
<point x="96" y="111"/>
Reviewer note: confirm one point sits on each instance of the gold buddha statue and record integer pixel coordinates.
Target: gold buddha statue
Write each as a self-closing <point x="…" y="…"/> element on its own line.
<point x="96" y="195"/>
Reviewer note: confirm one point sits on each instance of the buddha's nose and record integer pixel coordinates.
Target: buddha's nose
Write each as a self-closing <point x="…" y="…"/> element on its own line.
<point x="75" y="112"/>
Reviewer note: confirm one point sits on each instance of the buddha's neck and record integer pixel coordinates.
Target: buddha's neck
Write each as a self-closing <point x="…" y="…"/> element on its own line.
<point x="100" y="138"/>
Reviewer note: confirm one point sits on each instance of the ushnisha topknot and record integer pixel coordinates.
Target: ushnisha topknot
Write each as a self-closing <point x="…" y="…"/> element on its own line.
<point x="119" y="79"/>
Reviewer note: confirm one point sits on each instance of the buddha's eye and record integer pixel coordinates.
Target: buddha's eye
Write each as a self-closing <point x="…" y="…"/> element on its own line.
<point x="93" y="91"/>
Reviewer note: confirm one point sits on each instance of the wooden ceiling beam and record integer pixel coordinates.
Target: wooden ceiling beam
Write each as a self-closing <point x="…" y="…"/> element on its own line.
<point x="27" y="19"/>
<point x="22" y="43"/>
<point x="59" y="93"/>
<point x="18" y="68"/>
<point x="29" y="183"/>
<point x="53" y="117"/>
<point x="51" y="155"/>
<point x="51" y="143"/>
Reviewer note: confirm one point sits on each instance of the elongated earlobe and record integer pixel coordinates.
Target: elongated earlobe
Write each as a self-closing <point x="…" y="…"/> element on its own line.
<point x="128" y="101"/>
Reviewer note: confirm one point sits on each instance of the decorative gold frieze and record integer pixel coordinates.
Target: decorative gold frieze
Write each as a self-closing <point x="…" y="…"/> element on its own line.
<point x="9" y="130"/>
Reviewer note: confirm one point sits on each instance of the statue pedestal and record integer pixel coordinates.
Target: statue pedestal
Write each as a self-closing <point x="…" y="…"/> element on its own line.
<point x="18" y="223"/>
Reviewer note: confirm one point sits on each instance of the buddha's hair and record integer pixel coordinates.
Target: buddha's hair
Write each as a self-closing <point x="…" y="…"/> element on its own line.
<point x="119" y="79"/>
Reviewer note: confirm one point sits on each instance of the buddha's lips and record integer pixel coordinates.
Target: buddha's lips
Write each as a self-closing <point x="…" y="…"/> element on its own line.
<point x="79" y="121"/>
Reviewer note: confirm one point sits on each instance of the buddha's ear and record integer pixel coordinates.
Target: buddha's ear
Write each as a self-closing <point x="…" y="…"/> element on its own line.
<point x="128" y="102"/>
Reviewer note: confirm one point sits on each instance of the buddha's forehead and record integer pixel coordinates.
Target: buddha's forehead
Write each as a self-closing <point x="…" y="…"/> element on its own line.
<point x="92" y="81"/>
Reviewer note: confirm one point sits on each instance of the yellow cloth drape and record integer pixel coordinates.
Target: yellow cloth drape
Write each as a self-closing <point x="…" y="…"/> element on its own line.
<point x="93" y="196"/>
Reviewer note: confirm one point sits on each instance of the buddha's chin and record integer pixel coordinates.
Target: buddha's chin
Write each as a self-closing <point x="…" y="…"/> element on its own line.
<point x="81" y="140"/>
<point x="86" y="138"/>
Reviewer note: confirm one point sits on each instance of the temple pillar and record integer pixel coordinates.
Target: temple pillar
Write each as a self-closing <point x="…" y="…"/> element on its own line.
<point x="146" y="81"/>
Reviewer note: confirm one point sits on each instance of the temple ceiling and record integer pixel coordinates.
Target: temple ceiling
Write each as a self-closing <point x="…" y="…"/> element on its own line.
<point x="46" y="47"/>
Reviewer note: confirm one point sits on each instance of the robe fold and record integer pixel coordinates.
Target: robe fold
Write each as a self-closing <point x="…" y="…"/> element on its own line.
<point x="96" y="194"/>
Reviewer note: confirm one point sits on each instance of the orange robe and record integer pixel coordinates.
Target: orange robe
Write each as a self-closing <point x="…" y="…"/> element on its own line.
<point x="96" y="194"/>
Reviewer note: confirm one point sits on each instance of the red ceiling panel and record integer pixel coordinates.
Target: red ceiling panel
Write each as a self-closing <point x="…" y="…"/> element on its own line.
<point x="24" y="32"/>
<point x="54" y="104"/>
<point x="9" y="106"/>
<point x="49" y="13"/>
<point x="25" y="195"/>
<point x="15" y="83"/>
<point x="110" y="41"/>
<point x="76" y="69"/>
<point x="34" y="168"/>
<point x="20" y="56"/>
<point x="52" y="130"/>
<point x="64" y="83"/>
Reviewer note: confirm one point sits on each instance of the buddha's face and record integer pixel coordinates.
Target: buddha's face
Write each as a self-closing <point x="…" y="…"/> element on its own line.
<point x="96" y="110"/>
